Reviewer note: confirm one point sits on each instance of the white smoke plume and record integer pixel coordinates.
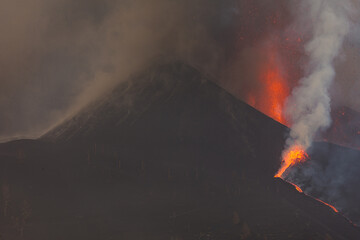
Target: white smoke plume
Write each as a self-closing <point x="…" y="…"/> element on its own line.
<point x="308" y="107"/>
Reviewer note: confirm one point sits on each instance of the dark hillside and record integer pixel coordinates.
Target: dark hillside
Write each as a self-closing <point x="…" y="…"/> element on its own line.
<point x="167" y="155"/>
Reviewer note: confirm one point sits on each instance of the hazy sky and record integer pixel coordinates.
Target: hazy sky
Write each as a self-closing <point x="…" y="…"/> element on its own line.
<point x="58" y="55"/>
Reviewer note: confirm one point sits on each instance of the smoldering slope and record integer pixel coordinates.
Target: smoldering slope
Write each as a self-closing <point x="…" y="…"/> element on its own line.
<point x="57" y="56"/>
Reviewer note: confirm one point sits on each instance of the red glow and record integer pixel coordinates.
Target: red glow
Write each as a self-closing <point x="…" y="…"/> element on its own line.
<point x="270" y="100"/>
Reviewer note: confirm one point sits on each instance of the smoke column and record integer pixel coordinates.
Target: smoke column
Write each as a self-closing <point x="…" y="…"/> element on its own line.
<point x="308" y="107"/>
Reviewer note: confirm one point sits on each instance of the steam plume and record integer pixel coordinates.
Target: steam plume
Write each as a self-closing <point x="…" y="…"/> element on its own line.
<point x="308" y="107"/>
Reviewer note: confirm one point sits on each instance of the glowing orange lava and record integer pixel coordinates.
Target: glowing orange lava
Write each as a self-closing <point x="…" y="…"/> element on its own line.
<point x="296" y="187"/>
<point x="332" y="207"/>
<point x="301" y="191"/>
<point x="270" y="99"/>
<point x="294" y="155"/>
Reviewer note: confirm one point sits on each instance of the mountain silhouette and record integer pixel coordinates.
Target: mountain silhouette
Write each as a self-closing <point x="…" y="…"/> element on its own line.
<point x="167" y="154"/>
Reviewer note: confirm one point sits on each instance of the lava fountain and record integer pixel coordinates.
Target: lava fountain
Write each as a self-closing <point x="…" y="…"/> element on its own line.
<point x="296" y="154"/>
<point x="270" y="100"/>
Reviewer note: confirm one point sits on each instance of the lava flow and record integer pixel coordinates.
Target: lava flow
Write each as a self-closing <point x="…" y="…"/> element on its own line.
<point x="332" y="207"/>
<point x="296" y="187"/>
<point x="301" y="191"/>
<point x="296" y="154"/>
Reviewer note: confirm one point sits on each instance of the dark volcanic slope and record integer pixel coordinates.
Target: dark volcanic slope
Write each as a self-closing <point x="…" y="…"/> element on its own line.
<point x="167" y="155"/>
<point x="171" y="108"/>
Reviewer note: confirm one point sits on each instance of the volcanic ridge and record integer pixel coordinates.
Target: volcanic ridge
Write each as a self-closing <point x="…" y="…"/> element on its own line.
<point x="167" y="154"/>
